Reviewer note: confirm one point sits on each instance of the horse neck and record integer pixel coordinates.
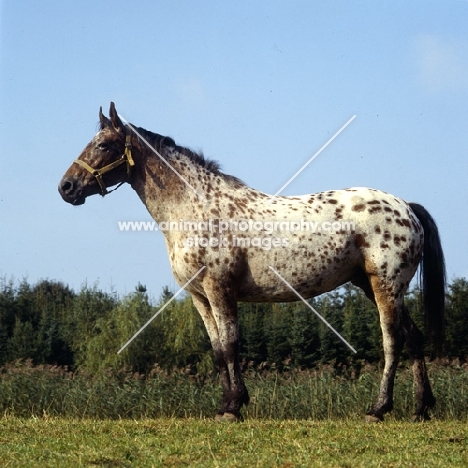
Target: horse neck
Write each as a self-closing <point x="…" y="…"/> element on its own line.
<point x="175" y="189"/>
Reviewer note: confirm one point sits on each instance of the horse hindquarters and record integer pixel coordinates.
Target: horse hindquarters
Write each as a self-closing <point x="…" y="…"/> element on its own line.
<point x="397" y="325"/>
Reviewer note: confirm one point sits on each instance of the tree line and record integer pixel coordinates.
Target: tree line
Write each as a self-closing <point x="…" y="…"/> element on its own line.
<point x="49" y="323"/>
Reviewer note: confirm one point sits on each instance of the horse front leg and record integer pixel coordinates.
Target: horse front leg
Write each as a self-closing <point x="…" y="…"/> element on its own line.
<point x="235" y="393"/>
<point x="220" y="319"/>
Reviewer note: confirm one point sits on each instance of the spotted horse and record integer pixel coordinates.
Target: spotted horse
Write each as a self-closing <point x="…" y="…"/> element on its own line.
<point x="390" y="238"/>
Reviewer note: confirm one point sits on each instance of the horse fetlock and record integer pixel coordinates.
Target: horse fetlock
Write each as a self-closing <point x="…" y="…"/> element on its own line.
<point x="422" y="411"/>
<point x="376" y="414"/>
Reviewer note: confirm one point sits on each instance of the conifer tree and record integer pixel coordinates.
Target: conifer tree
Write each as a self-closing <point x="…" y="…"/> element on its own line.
<point x="23" y="342"/>
<point x="8" y="308"/>
<point x="277" y="326"/>
<point x="457" y="319"/>
<point x="304" y="336"/>
<point x="88" y="307"/>
<point x="252" y="333"/>
<point x="332" y="349"/>
<point x="361" y="327"/>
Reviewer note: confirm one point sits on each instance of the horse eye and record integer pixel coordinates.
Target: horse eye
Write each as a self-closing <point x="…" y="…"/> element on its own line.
<point x="103" y="146"/>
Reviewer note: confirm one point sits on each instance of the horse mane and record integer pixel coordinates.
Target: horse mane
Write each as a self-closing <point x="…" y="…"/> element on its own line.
<point x="160" y="143"/>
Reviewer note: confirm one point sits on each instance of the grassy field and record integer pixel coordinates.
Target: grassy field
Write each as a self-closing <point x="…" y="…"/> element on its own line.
<point x="55" y="418"/>
<point x="62" y="442"/>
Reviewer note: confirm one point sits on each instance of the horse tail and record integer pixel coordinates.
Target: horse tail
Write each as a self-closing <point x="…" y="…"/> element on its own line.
<point x="432" y="278"/>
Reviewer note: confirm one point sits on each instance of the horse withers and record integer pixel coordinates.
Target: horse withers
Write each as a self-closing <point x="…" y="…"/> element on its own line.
<point x="228" y="242"/>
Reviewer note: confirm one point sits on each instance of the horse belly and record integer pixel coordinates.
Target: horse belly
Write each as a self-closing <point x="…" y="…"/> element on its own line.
<point x="306" y="268"/>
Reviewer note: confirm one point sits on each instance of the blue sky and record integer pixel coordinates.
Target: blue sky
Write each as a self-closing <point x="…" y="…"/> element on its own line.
<point x="259" y="86"/>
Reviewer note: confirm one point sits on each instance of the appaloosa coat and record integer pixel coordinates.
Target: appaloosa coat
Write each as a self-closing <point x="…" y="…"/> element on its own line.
<point x="366" y="236"/>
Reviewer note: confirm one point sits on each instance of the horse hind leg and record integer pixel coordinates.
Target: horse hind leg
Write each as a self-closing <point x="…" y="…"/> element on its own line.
<point x="390" y="306"/>
<point x="414" y="346"/>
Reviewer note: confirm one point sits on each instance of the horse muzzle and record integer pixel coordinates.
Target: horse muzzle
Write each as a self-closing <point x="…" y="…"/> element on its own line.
<point x="71" y="190"/>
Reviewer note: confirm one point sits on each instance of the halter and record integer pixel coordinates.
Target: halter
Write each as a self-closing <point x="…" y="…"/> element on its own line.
<point x="126" y="158"/>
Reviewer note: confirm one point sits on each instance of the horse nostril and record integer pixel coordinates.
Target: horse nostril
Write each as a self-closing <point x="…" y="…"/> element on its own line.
<point x="71" y="190"/>
<point x="66" y="187"/>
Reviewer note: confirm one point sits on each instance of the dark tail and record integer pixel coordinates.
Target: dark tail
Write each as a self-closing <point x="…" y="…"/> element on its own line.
<point x="432" y="278"/>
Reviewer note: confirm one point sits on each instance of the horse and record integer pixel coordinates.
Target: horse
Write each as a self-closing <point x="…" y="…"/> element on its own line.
<point x="228" y="242"/>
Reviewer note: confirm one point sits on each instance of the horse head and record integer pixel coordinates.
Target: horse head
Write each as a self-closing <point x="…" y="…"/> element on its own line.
<point x="105" y="161"/>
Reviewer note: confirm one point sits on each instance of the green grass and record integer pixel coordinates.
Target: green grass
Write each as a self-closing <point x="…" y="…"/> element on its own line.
<point x="62" y="442"/>
<point x="54" y="418"/>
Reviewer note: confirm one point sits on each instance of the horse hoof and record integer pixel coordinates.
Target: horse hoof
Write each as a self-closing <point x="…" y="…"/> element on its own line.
<point x="219" y="417"/>
<point x="226" y="418"/>
<point x="372" y="418"/>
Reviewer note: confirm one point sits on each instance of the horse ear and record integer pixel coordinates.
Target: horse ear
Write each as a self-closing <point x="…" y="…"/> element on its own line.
<point x="116" y="122"/>
<point x="105" y="122"/>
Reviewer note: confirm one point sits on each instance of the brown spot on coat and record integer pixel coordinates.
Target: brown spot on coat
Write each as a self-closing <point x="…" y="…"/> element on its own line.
<point x="358" y="207"/>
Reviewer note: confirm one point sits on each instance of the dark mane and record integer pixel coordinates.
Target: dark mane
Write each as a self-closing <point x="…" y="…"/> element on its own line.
<point x="160" y="143"/>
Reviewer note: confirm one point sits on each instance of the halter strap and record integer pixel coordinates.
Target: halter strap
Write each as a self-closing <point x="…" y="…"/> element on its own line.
<point x="125" y="158"/>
